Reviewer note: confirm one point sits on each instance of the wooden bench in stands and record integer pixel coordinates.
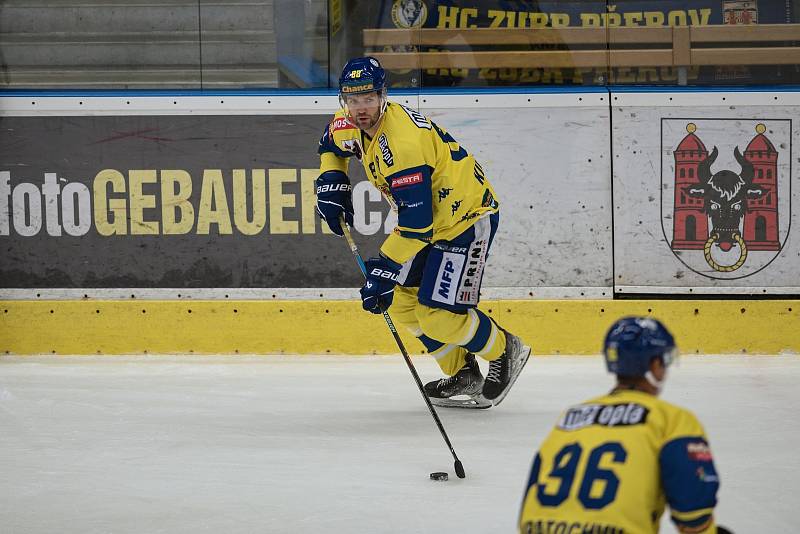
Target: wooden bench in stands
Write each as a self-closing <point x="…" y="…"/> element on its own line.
<point x="588" y="47"/>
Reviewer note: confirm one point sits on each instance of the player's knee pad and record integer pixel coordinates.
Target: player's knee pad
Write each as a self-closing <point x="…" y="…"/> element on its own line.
<point x="444" y="325"/>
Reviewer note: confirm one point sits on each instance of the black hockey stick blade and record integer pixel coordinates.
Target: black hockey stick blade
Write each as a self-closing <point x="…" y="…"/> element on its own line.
<point x="459" y="469"/>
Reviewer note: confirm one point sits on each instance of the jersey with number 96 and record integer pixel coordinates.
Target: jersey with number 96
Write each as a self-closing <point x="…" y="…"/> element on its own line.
<point x="612" y="463"/>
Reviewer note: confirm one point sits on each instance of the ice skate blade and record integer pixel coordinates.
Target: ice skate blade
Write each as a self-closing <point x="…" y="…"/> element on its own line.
<point x="478" y="402"/>
<point x="524" y="355"/>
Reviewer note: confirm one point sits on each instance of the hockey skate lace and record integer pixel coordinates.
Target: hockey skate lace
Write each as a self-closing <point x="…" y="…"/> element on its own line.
<point x="446" y="381"/>
<point x="495" y="368"/>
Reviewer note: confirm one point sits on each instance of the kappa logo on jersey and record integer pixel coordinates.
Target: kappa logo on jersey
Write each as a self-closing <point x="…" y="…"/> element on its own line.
<point x="444" y="193"/>
<point x="603" y="415"/>
<point x="388" y="158"/>
<point x="407" y="180"/>
<point x="340" y="123"/>
<point x="699" y="451"/>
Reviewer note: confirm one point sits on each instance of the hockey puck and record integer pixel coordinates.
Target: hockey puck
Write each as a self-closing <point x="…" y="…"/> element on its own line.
<point x="439" y="475"/>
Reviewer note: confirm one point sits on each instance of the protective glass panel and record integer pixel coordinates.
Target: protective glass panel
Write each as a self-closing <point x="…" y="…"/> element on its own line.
<point x="359" y="27"/>
<point x="99" y="45"/>
<point x="488" y="43"/>
<point x="700" y="42"/>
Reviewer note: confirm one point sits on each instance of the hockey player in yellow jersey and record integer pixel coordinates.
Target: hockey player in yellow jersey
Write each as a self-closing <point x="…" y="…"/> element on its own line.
<point x="612" y="463"/>
<point x="429" y="270"/>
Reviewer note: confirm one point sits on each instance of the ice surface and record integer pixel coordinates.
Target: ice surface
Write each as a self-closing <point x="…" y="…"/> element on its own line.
<point x="345" y="445"/>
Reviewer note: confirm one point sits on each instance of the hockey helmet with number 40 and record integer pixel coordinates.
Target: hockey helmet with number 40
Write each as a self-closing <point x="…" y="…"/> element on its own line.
<point x="633" y="342"/>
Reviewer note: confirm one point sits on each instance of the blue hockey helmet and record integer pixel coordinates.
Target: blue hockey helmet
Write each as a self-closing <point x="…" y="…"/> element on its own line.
<point x="633" y="342"/>
<point x="362" y="75"/>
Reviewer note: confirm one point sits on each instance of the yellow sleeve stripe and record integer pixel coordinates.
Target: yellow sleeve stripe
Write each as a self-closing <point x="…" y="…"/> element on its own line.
<point x="331" y="162"/>
<point x="691" y="516"/>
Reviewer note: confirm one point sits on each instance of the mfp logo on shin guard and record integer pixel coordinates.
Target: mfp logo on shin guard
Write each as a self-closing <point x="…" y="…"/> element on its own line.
<point x="447" y="280"/>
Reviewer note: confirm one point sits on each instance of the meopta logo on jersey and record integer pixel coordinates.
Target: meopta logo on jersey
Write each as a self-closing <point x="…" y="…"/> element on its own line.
<point x="699" y="451"/>
<point x="407" y="180"/>
<point x="340" y="123"/>
<point x="604" y="415"/>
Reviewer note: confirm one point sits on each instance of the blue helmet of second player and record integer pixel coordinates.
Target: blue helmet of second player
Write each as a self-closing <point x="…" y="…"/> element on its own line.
<point x="633" y="342"/>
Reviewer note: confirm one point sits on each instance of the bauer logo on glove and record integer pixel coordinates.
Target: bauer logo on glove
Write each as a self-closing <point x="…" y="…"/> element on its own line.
<point x="378" y="291"/>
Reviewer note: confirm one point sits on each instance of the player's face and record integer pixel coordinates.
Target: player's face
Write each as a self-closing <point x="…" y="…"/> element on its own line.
<point x="365" y="109"/>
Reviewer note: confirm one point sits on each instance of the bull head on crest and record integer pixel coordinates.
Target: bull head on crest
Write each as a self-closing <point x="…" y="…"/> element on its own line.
<point x="725" y="195"/>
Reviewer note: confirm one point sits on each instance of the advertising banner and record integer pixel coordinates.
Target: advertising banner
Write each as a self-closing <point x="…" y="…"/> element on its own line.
<point x="171" y="201"/>
<point x="227" y="201"/>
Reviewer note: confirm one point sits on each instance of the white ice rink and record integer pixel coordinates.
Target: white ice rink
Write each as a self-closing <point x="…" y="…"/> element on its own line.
<point x="342" y="445"/>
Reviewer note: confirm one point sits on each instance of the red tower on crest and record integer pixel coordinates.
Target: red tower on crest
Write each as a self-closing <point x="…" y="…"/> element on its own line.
<point x="761" y="219"/>
<point x="690" y="228"/>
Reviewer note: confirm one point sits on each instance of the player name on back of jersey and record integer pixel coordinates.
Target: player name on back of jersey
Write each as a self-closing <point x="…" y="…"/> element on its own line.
<point x="625" y="414"/>
<point x="554" y="526"/>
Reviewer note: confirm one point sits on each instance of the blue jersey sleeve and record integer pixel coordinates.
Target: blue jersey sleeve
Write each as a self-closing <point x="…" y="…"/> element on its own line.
<point x="690" y="481"/>
<point x="411" y="191"/>
<point x="327" y="144"/>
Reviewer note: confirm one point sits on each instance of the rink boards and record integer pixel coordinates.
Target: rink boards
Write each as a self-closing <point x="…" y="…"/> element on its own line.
<point x="120" y="213"/>
<point x="342" y="327"/>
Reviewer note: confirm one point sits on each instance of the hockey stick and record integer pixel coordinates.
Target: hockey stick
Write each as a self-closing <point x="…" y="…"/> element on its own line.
<point x="354" y="249"/>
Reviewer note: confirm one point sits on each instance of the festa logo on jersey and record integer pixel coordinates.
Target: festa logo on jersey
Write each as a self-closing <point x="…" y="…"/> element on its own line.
<point x="407" y="180"/>
<point x="699" y="451"/>
<point x="610" y="415"/>
<point x="388" y="158"/>
<point x="340" y="123"/>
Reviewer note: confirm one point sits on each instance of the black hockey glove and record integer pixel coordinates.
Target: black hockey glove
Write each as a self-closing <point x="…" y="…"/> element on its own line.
<point x="378" y="290"/>
<point x="334" y="198"/>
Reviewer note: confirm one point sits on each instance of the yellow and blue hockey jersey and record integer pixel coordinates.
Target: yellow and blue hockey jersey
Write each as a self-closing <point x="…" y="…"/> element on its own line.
<point x="612" y="463"/>
<point x="434" y="184"/>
